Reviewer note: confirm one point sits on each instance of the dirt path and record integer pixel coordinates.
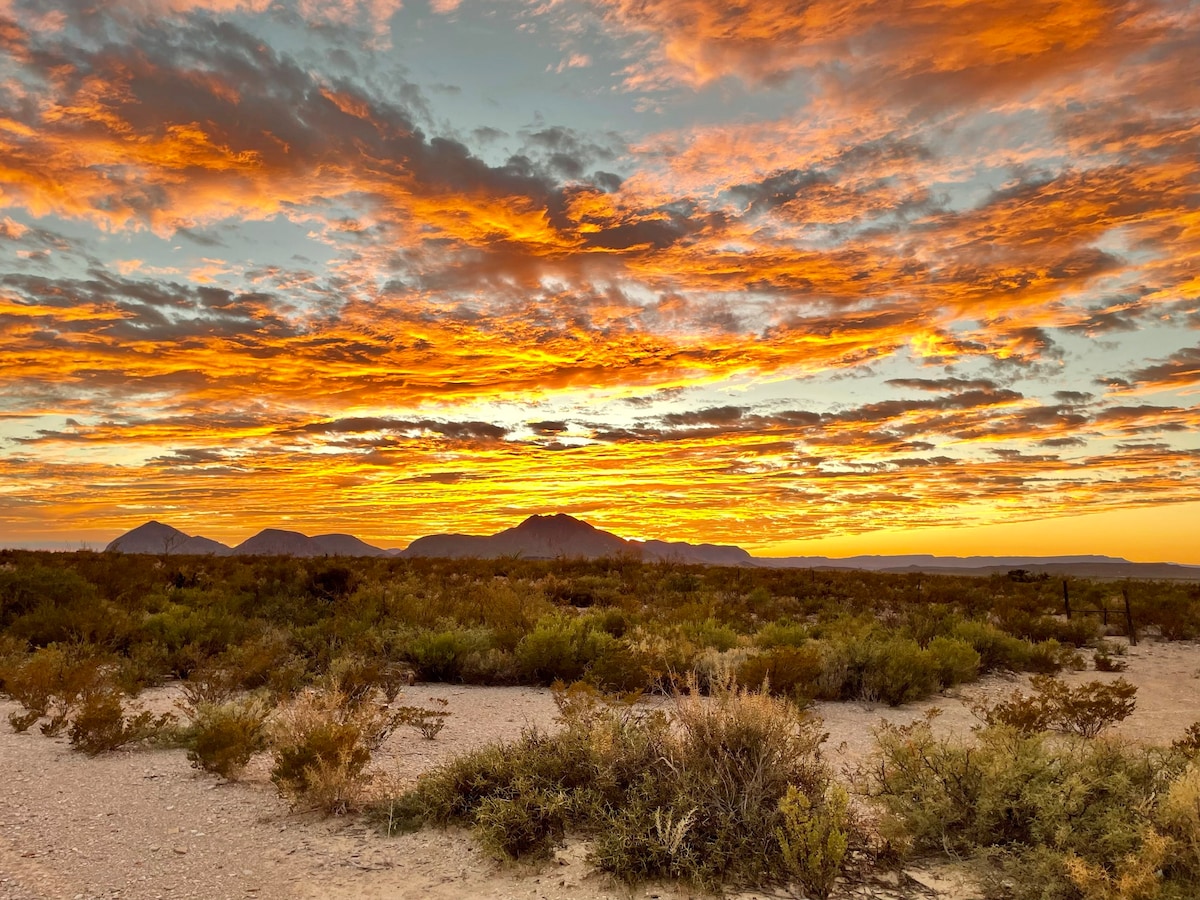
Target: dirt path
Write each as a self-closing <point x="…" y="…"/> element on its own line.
<point x="142" y="824"/>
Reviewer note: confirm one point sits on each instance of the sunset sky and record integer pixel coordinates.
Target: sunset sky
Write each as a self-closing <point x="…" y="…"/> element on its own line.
<point x="808" y="276"/>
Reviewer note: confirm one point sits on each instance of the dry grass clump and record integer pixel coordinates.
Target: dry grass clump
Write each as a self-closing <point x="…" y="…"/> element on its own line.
<point x="727" y="788"/>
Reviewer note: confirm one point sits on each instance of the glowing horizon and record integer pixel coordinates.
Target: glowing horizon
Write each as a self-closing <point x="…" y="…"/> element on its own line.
<point x="841" y="275"/>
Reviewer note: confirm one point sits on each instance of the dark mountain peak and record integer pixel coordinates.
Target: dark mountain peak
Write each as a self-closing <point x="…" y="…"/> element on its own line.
<point x="346" y="545"/>
<point x="557" y="523"/>
<point x="277" y="542"/>
<point x="156" y="537"/>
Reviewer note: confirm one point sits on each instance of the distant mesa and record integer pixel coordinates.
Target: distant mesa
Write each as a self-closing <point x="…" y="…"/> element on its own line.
<point x="562" y="536"/>
<point x="698" y="554"/>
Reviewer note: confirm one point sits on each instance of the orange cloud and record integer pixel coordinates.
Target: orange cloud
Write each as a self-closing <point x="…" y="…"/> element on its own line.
<point x="954" y="202"/>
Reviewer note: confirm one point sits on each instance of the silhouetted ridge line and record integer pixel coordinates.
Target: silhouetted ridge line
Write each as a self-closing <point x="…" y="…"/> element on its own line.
<point x="562" y="536"/>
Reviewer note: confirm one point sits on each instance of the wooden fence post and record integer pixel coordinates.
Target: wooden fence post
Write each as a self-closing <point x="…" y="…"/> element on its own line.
<point x="1066" y="600"/>
<point x="1129" y="616"/>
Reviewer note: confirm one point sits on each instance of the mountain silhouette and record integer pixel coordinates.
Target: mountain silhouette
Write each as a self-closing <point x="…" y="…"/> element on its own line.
<point x="276" y="542"/>
<point x="562" y="536"/>
<point x="155" y="537"/>
<point x="538" y="537"/>
<point x="345" y="545"/>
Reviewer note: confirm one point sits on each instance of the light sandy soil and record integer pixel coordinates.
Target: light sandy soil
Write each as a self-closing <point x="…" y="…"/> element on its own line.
<point x="142" y="824"/>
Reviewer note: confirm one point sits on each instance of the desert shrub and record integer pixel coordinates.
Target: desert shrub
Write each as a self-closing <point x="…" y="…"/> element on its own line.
<point x="321" y="745"/>
<point x="1178" y="815"/>
<point x="955" y="661"/>
<point x="51" y="682"/>
<point x="894" y="670"/>
<point x="727" y="763"/>
<point x="223" y="737"/>
<point x="265" y="660"/>
<point x="428" y="722"/>
<point x="618" y="667"/>
<point x="102" y="723"/>
<point x="1085" y="710"/>
<point x="1049" y="657"/>
<point x="1171" y="608"/>
<point x="701" y="792"/>
<point x="788" y="670"/>
<point x="813" y="840"/>
<point x="357" y="678"/>
<point x="560" y="648"/>
<point x="146" y="665"/>
<point x="710" y="632"/>
<point x="781" y="634"/>
<point x="711" y="670"/>
<point x="208" y="685"/>
<point x="528" y="824"/>
<point x="1138" y="876"/>
<point x="444" y="654"/>
<point x="191" y="635"/>
<point x="1189" y="743"/>
<point x="331" y="583"/>
<point x="1077" y="632"/>
<point x="997" y="649"/>
<point x="1062" y="818"/>
<point x="1105" y="662"/>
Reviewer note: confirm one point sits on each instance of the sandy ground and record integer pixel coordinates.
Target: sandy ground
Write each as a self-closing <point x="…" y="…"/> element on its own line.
<point x="143" y="824"/>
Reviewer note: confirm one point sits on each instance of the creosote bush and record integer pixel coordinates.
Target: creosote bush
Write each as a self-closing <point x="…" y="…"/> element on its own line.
<point x="223" y="737"/>
<point x="1050" y="817"/>
<point x="321" y="742"/>
<point x="1085" y="710"/>
<point x="51" y="682"/>
<point x="103" y="724"/>
<point x="726" y="788"/>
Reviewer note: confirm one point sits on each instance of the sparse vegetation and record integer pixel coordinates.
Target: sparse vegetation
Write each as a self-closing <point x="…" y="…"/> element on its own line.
<point x="305" y="660"/>
<point x="730" y="787"/>
<point x="1047" y="816"/>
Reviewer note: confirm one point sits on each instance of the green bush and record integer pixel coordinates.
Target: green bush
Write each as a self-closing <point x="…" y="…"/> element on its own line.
<point x="560" y="648"/>
<point x="702" y="793"/>
<point x="223" y="737"/>
<point x="446" y="654"/>
<point x="997" y="649"/>
<point x="1055" y="818"/>
<point x="955" y="661"/>
<point x="51" y="682"/>
<point x="813" y="840"/>
<point x="1085" y="710"/>
<point x="102" y="724"/>
<point x="894" y="670"/>
<point x="781" y="634"/>
<point x="529" y="824"/>
<point x="788" y="670"/>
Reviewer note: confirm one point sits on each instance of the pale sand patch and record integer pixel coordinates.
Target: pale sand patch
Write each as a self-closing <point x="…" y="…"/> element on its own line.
<point x="142" y="824"/>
